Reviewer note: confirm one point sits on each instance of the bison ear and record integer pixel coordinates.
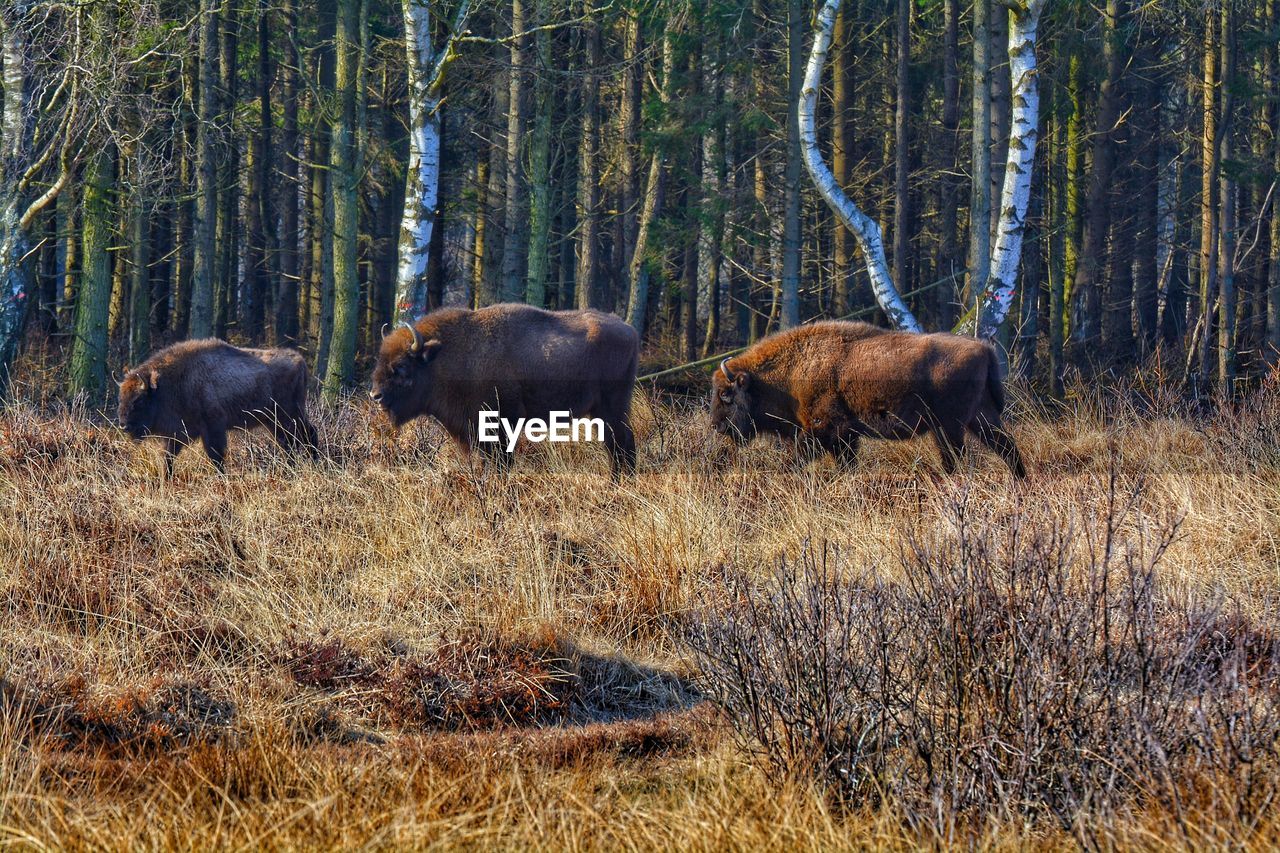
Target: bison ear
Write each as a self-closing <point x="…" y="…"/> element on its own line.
<point x="428" y="350"/>
<point x="153" y="379"/>
<point x="742" y="379"/>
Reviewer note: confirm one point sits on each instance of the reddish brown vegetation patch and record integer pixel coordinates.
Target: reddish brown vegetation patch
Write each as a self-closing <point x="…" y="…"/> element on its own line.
<point x="137" y="722"/>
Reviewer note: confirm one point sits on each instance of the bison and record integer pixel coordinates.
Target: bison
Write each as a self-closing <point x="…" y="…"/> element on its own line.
<point x="832" y="383"/>
<point x="202" y="388"/>
<point x="520" y="361"/>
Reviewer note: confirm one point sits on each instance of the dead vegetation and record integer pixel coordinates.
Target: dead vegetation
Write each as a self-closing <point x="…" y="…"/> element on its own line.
<point x="386" y="648"/>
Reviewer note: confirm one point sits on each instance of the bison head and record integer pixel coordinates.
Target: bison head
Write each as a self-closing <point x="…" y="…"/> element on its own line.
<point x="402" y="376"/>
<point x="139" y="402"/>
<point x="731" y="404"/>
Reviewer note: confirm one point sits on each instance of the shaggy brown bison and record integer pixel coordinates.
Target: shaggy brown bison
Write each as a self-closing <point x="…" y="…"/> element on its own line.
<point x="517" y="360"/>
<point x="835" y="382"/>
<point x="200" y="389"/>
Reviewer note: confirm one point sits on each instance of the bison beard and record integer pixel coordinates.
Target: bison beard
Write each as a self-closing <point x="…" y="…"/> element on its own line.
<point x="517" y="360"/>
<point x="833" y="383"/>
<point x="201" y="389"/>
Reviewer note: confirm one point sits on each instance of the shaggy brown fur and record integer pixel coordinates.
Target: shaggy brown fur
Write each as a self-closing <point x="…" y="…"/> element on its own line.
<point x="520" y="360"/>
<point x="835" y="382"/>
<point x="200" y="389"/>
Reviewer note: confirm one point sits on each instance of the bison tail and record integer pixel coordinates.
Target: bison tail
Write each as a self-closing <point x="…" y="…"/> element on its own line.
<point x="995" y="382"/>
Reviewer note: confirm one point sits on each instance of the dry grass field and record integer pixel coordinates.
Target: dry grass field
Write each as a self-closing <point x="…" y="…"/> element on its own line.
<point x="390" y="649"/>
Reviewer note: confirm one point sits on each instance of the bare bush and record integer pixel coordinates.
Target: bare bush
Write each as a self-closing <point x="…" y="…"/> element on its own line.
<point x="1018" y="668"/>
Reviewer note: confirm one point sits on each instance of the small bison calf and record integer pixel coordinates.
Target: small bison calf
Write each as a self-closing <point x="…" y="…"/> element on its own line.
<point x="835" y="382"/>
<point x="200" y="389"/>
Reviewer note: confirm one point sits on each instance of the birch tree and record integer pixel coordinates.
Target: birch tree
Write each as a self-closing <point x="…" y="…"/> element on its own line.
<point x="40" y="135"/>
<point x="864" y="228"/>
<point x="426" y="71"/>
<point x="997" y="296"/>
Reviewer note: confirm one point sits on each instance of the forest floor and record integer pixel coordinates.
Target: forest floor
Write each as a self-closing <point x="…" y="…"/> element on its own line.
<point x="388" y="649"/>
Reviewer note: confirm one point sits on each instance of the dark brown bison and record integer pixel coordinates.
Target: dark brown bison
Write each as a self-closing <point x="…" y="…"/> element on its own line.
<point x="517" y="360"/>
<point x="833" y="383"/>
<point x="200" y="389"/>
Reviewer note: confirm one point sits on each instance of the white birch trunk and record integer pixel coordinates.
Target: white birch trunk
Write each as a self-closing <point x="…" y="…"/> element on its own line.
<point x="997" y="296"/>
<point x="867" y="232"/>
<point x="426" y="69"/>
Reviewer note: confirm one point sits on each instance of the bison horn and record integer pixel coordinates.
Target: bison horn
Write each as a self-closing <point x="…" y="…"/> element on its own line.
<point x="384" y="330"/>
<point x="724" y="368"/>
<point x="417" y="338"/>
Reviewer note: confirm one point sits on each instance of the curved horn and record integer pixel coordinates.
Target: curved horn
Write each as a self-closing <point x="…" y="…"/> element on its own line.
<point x="384" y="330"/>
<point x="724" y="367"/>
<point x="417" y="338"/>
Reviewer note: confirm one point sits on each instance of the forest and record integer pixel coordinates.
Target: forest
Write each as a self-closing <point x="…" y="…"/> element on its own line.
<point x="275" y="173"/>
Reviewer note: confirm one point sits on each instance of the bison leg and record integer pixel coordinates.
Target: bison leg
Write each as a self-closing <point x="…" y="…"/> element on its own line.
<point x="172" y="447"/>
<point x="215" y="445"/>
<point x="950" y="444"/>
<point x="620" y="441"/>
<point x="1001" y="443"/>
<point x="844" y="448"/>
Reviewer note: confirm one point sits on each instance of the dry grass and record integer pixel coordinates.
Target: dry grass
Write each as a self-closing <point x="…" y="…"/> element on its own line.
<point x="391" y="649"/>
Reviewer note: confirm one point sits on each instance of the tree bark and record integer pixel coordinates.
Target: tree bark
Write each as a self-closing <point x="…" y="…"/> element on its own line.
<point x="344" y="178"/>
<point x="640" y="272"/>
<point x="200" y="320"/>
<point x="948" y="183"/>
<point x="226" y="263"/>
<point x="589" y="167"/>
<point x="902" y="147"/>
<point x="791" y="242"/>
<point x="1087" y="289"/>
<point x="540" y="166"/>
<point x="87" y="371"/>
<point x="515" y="250"/>
<point x="867" y="231"/>
<point x="286" y="318"/>
<point x="980" y="155"/>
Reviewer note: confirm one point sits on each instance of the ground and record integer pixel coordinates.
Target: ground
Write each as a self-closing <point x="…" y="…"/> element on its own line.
<point x="390" y="648"/>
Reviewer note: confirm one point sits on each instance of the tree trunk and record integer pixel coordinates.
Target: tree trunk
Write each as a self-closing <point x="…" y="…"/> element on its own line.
<point x="1147" y="240"/>
<point x="791" y="244"/>
<point x="1227" y="332"/>
<point x="286" y="319"/>
<point x="261" y="212"/>
<point x="948" y="183"/>
<point x="1209" y="234"/>
<point x="864" y="228"/>
<point x="426" y="67"/>
<point x="200" y="321"/>
<point x="226" y="263"/>
<point x="540" y="166"/>
<point x="344" y="179"/>
<point x="640" y="272"/>
<point x="589" y="167"/>
<point x="902" y="148"/>
<point x="1273" y="269"/>
<point x="87" y="371"/>
<point x="514" y="250"/>
<point x="629" y="117"/>
<point x="139" y="279"/>
<point x="1087" y="290"/>
<point x="980" y="151"/>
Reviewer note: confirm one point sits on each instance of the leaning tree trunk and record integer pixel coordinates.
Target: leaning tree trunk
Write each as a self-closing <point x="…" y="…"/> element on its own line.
<point x="864" y="228"/>
<point x="997" y="296"/>
<point x="638" y="303"/>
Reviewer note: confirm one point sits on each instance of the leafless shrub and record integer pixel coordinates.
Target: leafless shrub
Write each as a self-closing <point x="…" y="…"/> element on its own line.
<point x="1019" y="668"/>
